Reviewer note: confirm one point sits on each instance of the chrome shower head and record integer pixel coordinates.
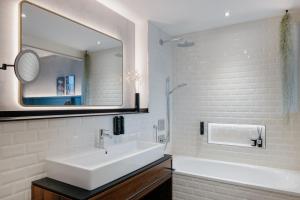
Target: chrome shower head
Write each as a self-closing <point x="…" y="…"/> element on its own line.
<point x="119" y="55"/>
<point x="180" y="42"/>
<point x="186" y="43"/>
<point x="176" y="39"/>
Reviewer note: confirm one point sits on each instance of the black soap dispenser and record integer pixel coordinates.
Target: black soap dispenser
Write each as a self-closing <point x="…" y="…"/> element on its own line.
<point x="116" y="125"/>
<point x="122" y="128"/>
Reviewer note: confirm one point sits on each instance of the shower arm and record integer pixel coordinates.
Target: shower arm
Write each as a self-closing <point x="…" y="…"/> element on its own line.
<point x="177" y="87"/>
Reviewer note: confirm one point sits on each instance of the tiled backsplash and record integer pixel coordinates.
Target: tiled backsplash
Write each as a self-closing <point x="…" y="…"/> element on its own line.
<point x="234" y="77"/>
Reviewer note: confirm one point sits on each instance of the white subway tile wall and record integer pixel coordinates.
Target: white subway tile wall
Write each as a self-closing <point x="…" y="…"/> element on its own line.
<point x="234" y="76"/>
<point x="194" y="188"/>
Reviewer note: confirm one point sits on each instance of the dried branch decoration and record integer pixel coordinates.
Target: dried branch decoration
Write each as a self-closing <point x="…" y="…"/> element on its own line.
<point x="286" y="57"/>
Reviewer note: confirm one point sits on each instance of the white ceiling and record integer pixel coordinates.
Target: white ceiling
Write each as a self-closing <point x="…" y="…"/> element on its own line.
<point x="177" y="17"/>
<point x="44" y="25"/>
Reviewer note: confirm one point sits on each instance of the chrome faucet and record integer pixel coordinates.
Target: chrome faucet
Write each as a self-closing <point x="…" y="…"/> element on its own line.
<point x="100" y="138"/>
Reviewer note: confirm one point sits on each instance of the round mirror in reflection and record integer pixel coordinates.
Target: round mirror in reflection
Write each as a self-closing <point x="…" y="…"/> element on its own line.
<point x="27" y="66"/>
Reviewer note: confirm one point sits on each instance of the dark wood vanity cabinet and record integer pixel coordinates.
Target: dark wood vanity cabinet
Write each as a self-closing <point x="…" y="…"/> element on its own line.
<point x="152" y="182"/>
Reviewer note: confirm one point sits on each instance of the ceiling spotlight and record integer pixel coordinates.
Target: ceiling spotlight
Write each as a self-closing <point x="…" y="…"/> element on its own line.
<point x="227" y="14"/>
<point x="23" y="15"/>
<point x="98" y="42"/>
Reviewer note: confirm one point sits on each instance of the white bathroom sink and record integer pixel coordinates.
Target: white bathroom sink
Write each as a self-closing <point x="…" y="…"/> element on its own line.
<point x="92" y="168"/>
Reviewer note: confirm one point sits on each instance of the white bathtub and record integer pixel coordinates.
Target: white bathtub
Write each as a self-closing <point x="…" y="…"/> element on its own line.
<point x="249" y="176"/>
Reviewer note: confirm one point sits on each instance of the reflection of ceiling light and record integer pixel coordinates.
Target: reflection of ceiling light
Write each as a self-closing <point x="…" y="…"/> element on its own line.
<point x="227" y="13"/>
<point x="23" y="15"/>
<point x="98" y="42"/>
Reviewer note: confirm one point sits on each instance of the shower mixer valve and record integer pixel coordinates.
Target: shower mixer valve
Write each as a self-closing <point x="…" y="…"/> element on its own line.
<point x="162" y="139"/>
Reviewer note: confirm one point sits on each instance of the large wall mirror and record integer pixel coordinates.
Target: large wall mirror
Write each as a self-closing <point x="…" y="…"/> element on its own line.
<point x="79" y="66"/>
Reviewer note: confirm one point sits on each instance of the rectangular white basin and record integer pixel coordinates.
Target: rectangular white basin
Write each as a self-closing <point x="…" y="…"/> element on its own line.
<point x="92" y="168"/>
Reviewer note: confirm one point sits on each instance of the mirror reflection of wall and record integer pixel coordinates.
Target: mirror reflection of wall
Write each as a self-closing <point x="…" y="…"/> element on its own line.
<point x="47" y="88"/>
<point x="78" y="65"/>
<point x="108" y="90"/>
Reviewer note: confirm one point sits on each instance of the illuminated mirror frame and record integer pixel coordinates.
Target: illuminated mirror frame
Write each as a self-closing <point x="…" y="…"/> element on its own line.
<point x="65" y="111"/>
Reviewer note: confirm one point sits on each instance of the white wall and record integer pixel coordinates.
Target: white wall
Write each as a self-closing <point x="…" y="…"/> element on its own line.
<point x="234" y="76"/>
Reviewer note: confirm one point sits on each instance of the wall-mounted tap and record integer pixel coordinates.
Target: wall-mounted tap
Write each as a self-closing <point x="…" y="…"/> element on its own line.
<point x="100" y="138"/>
